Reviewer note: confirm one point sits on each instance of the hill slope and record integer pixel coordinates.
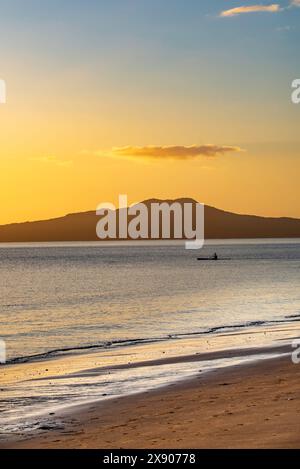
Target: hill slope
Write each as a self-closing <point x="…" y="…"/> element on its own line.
<point x="218" y="224"/>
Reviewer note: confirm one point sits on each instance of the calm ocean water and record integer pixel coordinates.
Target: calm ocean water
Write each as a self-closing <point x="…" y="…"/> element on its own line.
<point x="81" y="321"/>
<point x="68" y="297"/>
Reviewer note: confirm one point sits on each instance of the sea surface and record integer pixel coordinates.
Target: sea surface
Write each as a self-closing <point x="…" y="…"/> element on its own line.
<point x="114" y="305"/>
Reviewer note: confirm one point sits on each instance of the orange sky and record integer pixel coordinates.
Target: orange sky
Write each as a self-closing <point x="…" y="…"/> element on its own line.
<point x="77" y="90"/>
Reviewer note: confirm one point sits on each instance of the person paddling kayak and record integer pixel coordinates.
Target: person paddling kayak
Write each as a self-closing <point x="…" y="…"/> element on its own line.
<point x="212" y="258"/>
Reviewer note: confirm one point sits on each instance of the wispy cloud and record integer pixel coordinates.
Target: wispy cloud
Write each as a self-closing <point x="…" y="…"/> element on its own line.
<point x="274" y="8"/>
<point x="173" y="152"/>
<point x="52" y="160"/>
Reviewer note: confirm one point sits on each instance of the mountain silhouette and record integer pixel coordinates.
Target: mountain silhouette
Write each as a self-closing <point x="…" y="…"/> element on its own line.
<point x="219" y="224"/>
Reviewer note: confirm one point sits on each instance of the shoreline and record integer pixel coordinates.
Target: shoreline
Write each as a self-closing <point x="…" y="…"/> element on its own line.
<point x="223" y="408"/>
<point x="229" y="330"/>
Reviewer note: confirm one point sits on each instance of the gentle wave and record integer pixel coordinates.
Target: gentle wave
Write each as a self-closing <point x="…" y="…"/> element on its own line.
<point x="139" y="341"/>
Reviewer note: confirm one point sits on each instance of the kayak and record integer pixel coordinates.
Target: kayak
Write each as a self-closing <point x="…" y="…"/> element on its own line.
<point x="207" y="259"/>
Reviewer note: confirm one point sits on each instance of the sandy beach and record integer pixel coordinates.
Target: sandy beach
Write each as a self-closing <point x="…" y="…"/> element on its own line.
<point x="244" y="406"/>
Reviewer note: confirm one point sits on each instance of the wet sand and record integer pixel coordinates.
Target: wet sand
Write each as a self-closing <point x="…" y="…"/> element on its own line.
<point x="244" y="406"/>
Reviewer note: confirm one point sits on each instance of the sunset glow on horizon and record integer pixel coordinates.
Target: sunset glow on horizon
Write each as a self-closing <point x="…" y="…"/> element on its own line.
<point x="151" y="99"/>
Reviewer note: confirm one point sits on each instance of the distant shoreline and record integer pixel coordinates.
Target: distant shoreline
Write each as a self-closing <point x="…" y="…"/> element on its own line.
<point x="150" y="243"/>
